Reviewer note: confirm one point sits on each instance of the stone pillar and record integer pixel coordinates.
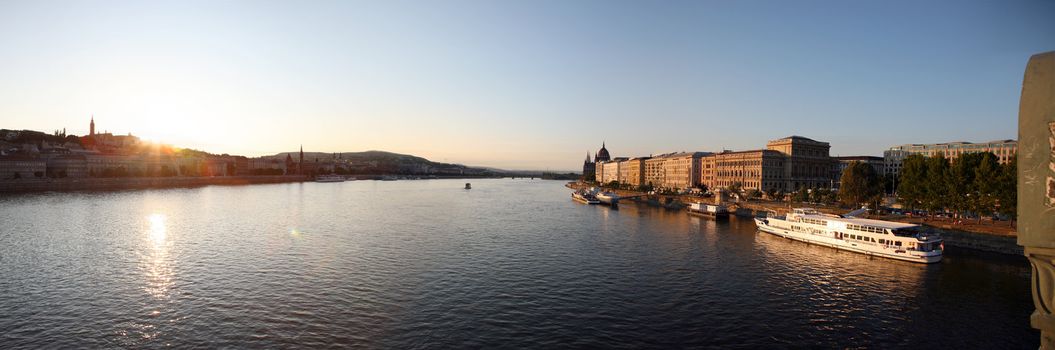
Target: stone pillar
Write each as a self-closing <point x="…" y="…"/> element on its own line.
<point x="1036" y="188"/>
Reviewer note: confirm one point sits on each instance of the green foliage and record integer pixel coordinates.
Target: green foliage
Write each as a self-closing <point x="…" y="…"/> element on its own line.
<point x="754" y="193"/>
<point x="736" y="187"/>
<point x="1007" y="189"/>
<point x="912" y="186"/>
<point x="972" y="183"/>
<point x="985" y="185"/>
<point x="771" y="193"/>
<point x="936" y="185"/>
<point x="823" y="195"/>
<point x="802" y="195"/>
<point x="860" y="185"/>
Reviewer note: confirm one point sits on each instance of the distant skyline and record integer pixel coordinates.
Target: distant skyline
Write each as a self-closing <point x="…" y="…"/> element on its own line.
<point x="520" y="85"/>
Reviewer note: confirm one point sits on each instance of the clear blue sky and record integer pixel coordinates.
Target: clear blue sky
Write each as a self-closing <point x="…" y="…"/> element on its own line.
<point x="521" y="84"/>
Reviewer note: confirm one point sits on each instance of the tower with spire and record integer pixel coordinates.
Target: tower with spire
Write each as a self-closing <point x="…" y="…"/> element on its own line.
<point x="91" y="127"/>
<point x="300" y="165"/>
<point x="589" y="168"/>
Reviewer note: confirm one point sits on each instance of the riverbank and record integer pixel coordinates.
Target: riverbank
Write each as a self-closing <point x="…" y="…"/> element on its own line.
<point x="987" y="237"/>
<point x="130" y="183"/>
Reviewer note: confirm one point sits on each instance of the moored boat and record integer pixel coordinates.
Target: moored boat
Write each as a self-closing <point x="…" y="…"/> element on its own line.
<point x="710" y="211"/>
<point x="329" y="178"/>
<point x="888" y="239"/>
<point x="609" y="198"/>
<point x="584" y="197"/>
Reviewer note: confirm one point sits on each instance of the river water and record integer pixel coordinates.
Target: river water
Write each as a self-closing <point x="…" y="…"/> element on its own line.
<point x="427" y="264"/>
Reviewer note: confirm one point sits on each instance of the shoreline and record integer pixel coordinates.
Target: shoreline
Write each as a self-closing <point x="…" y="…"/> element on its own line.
<point x="953" y="236"/>
<point x="134" y="183"/>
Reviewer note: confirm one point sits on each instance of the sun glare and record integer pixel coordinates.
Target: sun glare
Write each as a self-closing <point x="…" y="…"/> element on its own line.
<point x="157" y="229"/>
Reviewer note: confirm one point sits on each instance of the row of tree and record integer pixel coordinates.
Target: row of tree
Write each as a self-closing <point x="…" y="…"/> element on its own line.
<point x="973" y="183"/>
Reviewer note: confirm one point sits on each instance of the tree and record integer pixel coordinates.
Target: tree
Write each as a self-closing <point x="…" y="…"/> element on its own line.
<point x="754" y="193"/>
<point x="771" y="193"/>
<point x="960" y="193"/>
<point x="987" y="177"/>
<point x="912" y="187"/>
<point x="802" y="195"/>
<point x="823" y="196"/>
<point x="1007" y="189"/>
<point x="735" y="187"/>
<point x="935" y="185"/>
<point x="860" y="185"/>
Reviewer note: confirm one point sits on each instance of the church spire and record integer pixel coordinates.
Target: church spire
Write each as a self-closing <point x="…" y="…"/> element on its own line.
<point x="91" y="127"/>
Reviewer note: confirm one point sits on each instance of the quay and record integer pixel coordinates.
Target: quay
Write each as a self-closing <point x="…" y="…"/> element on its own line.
<point x="959" y="236"/>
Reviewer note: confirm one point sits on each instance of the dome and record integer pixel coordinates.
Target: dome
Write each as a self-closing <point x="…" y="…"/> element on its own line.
<point x="602" y="155"/>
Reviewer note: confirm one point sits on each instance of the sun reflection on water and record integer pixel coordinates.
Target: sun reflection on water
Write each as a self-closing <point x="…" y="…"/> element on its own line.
<point x="156" y="261"/>
<point x="157" y="230"/>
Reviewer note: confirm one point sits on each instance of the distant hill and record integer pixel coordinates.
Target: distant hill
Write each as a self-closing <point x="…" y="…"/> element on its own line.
<point x="388" y="163"/>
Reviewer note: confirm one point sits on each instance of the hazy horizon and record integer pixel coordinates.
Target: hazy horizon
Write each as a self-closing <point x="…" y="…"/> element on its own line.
<point x="520" y="85"/>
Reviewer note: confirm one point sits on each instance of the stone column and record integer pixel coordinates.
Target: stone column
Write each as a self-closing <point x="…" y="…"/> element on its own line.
<point x="1036" y="188"/>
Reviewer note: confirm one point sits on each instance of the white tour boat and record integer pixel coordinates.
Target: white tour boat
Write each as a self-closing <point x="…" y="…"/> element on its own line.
<point x="886" y="239"/>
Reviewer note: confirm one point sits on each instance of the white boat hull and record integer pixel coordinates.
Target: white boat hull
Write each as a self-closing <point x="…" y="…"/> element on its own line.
<point x="873" y="250"/>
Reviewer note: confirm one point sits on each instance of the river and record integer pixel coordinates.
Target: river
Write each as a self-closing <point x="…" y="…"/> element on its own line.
<point x="427" y="264"/>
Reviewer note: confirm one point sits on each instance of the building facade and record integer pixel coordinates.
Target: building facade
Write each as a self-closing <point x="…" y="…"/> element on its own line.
<point x="632" y="171"/>
<point x="21" y="167"/>
<point x="787" y="164"/>
<point x="755" y="169"/>
<point x="67" y="165"/>
<point x="807" y="163"/>
<point x="893" y="158"/>
<point x="673" y="171"/>
<point x="609" y="170"/>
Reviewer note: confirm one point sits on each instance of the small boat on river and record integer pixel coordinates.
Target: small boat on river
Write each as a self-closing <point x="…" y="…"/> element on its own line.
<point x="710" y="211"/>
<point x="584" y="197"/>
<point x="329" y="178"/>
<point x="607" y="198"/>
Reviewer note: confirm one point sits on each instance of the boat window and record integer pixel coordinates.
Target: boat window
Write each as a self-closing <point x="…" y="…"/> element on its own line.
<point x="897" y="243"/>
<point x="882" y="241"/>
<point x="906" y="232"/>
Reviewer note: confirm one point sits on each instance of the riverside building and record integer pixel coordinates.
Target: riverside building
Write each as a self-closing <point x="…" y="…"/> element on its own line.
<point x="674" y="171"/>
<point x="787" y="164"/>
<point x="610" y="170"/>
<point x="632" y="171"/>
<point x="755" y="169"/>
<point x="894" y="157"/>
